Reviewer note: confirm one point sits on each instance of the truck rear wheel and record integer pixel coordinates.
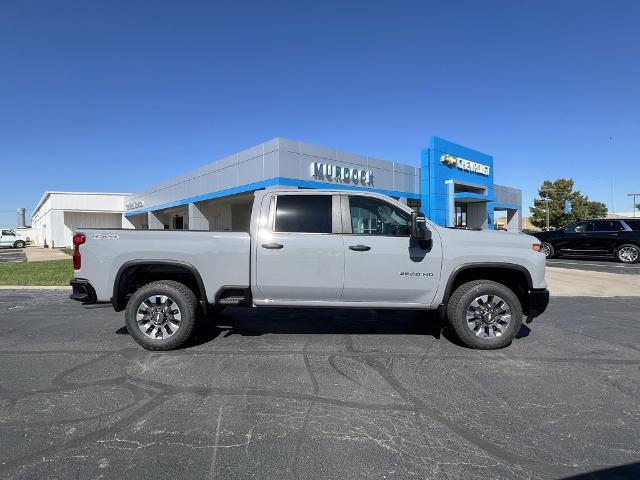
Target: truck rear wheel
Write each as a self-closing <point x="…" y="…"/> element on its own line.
<point x="162" y="315"/>
<point x="484" y="314"/>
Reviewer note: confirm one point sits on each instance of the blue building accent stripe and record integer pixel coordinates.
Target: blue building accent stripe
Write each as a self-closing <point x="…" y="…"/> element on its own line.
<point x="506" y="206"/>
<point x="287" y="182"/>
<point x="477" y="196"/>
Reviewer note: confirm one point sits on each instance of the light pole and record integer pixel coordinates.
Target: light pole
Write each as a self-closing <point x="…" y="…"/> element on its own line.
<point x="547" y="201"/>
<point x="634" y="201"/>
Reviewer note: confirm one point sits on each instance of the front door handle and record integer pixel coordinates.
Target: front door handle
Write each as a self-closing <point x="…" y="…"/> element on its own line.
<point x="272" y="246"/>
<point x="359" y="248"/>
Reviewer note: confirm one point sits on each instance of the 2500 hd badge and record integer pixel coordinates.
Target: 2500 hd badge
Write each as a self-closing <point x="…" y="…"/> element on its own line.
<point x="417" y="274"/>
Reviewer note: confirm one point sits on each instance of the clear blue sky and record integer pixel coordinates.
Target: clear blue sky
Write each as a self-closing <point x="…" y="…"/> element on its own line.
<point x="118" y="95"/>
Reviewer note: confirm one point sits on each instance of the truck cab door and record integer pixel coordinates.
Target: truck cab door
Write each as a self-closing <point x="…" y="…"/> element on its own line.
<point x="299" y="252"/>
<point x="6" y="238"/>
<point x="383" y="263"/>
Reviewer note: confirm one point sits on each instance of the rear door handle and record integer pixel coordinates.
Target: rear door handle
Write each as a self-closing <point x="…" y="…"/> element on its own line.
<point x="359" y="248"/>
<point x="272" y="246"/>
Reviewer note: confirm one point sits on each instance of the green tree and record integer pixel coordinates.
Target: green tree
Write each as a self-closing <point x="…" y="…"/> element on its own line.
<point x="555" y="194"/>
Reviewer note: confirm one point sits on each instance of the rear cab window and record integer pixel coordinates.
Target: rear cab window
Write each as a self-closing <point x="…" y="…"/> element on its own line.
<point x="303" y="214"/>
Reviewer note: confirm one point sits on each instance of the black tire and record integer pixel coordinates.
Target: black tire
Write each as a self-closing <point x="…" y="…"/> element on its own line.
<point x="19" y="244"/>
<point x="628" y="249"/>
<point x="461" y="300"/>
<point x="187" y="305"/>
<point x="552" y="251"/>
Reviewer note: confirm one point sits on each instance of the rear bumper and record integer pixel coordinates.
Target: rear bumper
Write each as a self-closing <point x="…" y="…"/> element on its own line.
<point x="538" y="301"/>
<point x="82" y="291"/>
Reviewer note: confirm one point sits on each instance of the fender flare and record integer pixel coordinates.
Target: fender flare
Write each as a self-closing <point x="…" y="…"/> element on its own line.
<point x="115" y="300"/>
<point x="497" y="265"/>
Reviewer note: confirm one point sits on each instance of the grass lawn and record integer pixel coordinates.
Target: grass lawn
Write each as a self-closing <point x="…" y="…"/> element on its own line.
<point x="68" y="251"/>
<point x="56" y="272"/>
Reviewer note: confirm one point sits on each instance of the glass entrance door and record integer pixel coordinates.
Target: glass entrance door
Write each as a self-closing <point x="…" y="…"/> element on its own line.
<point x="461" y="215"/>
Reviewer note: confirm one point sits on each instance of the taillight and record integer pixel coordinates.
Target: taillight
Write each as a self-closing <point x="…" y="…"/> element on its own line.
<point x="78" y="239"/>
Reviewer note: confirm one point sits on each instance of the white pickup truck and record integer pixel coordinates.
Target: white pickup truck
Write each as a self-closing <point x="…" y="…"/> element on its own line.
<point x="9" y="238"/>
<point x="310" y="248"/>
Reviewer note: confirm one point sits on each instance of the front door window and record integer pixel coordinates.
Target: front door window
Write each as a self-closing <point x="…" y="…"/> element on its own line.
<point x="371" y="216"/>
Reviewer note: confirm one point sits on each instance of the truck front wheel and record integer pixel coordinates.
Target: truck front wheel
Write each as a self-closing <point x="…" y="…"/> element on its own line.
<point x="484" y="314"/>
<point x="162" y="315"/>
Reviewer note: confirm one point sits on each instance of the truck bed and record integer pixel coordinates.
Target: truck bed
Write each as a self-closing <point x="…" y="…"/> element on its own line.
<point x="221" y="258"/>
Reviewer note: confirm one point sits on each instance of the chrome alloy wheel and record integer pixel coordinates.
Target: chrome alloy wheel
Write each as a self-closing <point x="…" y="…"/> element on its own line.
<point x="628" y="254"/>
<point x="158" y="317"/>
<point x="488" y="316"/>
<point x="544" y="248"/>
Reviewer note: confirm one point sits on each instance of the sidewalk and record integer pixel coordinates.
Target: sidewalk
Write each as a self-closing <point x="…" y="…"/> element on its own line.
<point x="564" y="282"/>
<point x="39" y="254"/>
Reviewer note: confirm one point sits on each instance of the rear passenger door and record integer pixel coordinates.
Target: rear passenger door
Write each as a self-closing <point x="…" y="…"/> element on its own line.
<point x="606" y="235"/>
<point x="300" y="255"/>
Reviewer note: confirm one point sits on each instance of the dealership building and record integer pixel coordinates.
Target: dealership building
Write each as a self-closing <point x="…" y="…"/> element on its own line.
<point x="58" y="214"/>
<point x="453" y="186"/>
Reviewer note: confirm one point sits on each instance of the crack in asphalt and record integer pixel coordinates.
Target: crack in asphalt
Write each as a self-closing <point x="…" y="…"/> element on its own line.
<point x="149" y="395"/>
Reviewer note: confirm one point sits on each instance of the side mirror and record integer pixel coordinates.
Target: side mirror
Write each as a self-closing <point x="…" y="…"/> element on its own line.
<point x="419" y="229"/>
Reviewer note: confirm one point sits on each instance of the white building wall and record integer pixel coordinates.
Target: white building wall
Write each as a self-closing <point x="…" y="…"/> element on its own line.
<point x="41" y="221"/>
<point x="59" y="214"/>
<point x="87" y="202"/>
<point x="56" y="230"/>
<point x="74" y="221"/>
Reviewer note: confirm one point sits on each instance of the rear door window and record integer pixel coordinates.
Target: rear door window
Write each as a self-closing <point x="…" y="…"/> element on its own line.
<point x="607" y="226"/>
<point x="303" y="213"/>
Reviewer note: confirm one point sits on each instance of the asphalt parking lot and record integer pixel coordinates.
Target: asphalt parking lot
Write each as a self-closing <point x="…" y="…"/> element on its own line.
<point x="595" y="264"/>
<point x="312" y="394"/>
<point x="12" y="255"/>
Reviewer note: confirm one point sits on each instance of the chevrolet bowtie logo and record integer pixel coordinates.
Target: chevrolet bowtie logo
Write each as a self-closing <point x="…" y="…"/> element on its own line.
<point x="449" y="160"/>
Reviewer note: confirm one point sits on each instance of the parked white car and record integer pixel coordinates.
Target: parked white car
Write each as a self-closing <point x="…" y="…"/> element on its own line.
<point x="9" y="238"/>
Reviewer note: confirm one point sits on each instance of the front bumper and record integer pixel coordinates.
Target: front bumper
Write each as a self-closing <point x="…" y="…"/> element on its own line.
<point x="83" y="291"/>
<point x="538" y="301"/>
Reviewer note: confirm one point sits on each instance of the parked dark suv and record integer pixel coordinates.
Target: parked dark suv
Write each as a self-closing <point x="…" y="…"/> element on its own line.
<point x="618" y="237"/>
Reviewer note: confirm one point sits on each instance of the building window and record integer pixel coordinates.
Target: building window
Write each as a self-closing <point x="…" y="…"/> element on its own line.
<point x="461" y="215"/>
<point x="303" y="213"/>
<point x="371" y="216"/>
<point x="414" y="203"/>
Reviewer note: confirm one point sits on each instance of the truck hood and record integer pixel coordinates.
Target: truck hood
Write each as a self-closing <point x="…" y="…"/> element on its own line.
<point x="492" y="237"/>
